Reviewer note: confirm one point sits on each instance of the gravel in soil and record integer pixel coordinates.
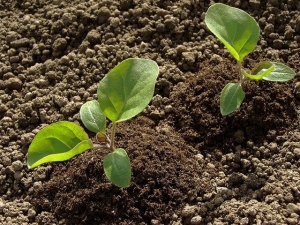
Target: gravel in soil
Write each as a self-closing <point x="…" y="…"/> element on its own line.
<point x="190" y="164"/>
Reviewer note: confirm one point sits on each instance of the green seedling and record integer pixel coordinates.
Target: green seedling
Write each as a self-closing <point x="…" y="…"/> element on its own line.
<point x="122" y="94"/>
<point x="239" y="32"/>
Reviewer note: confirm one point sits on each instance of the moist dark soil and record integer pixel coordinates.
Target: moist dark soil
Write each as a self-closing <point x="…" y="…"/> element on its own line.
<point x="190" y="164"/>
<point x="166" y="175"/>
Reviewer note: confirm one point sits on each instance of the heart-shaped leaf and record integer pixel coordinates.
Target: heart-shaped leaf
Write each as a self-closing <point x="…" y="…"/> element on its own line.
<point x="57" y="142"/>
<point x="117" y="168"/>
<point x="231" y="98"/>
<point x="127" y="89"/>
<point x="280" y="73"/>
<point x="93" y="117"/>
<point x="235" y="28"/>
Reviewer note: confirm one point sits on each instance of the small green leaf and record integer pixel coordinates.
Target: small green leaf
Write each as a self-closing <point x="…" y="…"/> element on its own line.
<point x="57" y="142"/>
<point x="260" y="70"/>
<point x="93" y="117"/>
<point x="117" y="168"/>
<point x="235" y="28"/>
<point x="127" y="89"/>
<point x="281" y="73"/>
<point x="231" y="98"/>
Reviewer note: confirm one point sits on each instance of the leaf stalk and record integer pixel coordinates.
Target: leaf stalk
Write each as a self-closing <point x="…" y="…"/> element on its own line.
<point x="242" y="77"/>
<point x="112" y="136"/>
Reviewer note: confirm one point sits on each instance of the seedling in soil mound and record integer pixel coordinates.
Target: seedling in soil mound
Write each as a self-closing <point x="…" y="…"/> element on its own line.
<point x="239" y="32"/>
<point x="122" y="94"/>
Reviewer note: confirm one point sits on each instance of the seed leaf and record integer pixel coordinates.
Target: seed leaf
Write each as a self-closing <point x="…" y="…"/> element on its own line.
<point x="231" y="98"/>
<point x="127" y="89"/>
<point x="93" y="117"/>
<point x="57" y="142"/>
<point x="260" y="70"/>
<point x="235" y="28"/>
<point x="281" y="73"/>
<point x="117" y="168"/>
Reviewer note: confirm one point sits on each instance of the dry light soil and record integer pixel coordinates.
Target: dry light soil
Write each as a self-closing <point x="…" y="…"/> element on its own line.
<point x="190" y="165"/>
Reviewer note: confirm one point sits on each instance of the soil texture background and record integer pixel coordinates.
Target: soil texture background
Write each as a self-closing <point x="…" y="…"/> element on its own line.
<point x="190" y="165"/>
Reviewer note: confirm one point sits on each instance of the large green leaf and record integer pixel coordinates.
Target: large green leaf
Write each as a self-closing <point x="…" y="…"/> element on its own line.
<point x="117" y="167"/>
<point x="57" y="142"/>
<point x="93" y="117"/>
<point x="280" y="73"/>
<point x="231" y="98"/>
<point x="235" y="28"/>
<point x="127" y="89"/>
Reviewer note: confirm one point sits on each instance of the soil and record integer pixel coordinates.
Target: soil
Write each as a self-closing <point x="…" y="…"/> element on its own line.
<point x="190" y="165"/>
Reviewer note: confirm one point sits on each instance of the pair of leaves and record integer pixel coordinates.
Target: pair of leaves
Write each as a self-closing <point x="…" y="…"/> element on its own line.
<point x="233" y="95"/>
<point x="122" y="94"/>
<point x="239" y="32"/>
<point x="63" y="140"/>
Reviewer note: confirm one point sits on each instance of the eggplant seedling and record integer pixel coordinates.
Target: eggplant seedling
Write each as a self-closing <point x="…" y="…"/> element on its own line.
<point x="122" y="94"/>
<point x="239" y="32"/>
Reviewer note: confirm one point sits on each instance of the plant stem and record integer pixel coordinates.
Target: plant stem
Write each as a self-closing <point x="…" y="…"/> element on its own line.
<point x="242" y="77"/>
<point x="112" y="137"/>
<point x="240" y="71"/>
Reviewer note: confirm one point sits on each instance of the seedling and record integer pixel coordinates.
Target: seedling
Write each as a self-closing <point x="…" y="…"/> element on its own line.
<point x="239" y="32"/>
<point x="122" y="94"/>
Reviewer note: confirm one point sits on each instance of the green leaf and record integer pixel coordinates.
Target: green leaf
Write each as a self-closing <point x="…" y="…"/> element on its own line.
<point x="127" y="89"/>
<point x="57" y="142"/>
<point x="93" y="117"/>
<point x="235" y="28"/>
<point x="281" y="73"/>
<point x="231" y="98"/>
<point x="260" y="70"/>
<point x="117" y="168"/>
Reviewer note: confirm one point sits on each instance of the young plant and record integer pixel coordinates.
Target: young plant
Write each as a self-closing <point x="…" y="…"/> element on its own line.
<point x="122" y="94"/>
<point x="239" y="32"/>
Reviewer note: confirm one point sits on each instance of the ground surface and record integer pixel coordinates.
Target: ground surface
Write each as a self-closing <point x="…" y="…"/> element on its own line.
<point x="190" y="164"/>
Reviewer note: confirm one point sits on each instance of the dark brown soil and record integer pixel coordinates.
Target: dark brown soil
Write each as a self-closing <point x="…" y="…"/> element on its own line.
<point x="267" y="107"/>
<point x="166" y="176"/>
<point x="190" y="165"/>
